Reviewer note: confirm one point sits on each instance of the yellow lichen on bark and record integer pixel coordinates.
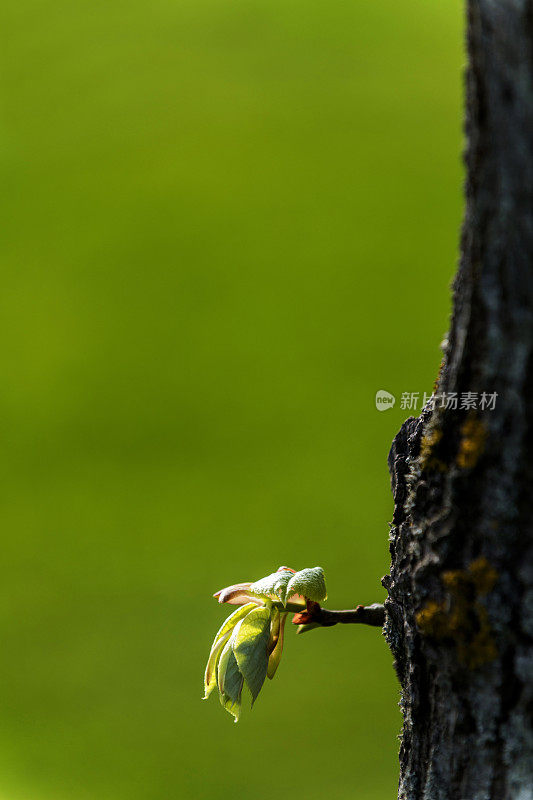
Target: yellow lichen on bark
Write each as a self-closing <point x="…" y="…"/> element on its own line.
<point x="460" y="617"/>
<point x="472" y="444"/>
<point x="429" y="441"/>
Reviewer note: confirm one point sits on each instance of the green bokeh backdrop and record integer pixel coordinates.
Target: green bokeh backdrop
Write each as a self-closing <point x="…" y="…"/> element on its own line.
<point x="226" y="224"/>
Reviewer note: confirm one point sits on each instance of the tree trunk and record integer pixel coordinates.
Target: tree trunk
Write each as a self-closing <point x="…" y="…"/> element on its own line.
<point x="460" y="592"/>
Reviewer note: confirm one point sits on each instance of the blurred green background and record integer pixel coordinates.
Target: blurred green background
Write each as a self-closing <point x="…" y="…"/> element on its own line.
<point x="225" y="225"/>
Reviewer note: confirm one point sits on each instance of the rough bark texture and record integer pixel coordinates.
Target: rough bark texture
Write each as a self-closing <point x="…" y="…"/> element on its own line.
<point x="460" y="605"/>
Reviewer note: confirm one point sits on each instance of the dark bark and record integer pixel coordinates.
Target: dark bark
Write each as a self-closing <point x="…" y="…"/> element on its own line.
<point x="460" y="592"/>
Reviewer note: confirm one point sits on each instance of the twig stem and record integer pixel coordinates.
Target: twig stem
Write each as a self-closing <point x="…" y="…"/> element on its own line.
<point x="362" y="615"/>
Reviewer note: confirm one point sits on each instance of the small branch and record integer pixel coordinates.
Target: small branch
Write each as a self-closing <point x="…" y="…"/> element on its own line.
<point x="315" y="615"/>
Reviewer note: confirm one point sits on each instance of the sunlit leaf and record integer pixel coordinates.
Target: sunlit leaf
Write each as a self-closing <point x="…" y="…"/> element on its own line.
<point x="280" y="586"/>
<point x="309" y="582"/>
<point x="210" y="680"/>
<point x="295" y="600"/>
<point x="275" y="618"/>
<point x="273" y="586"/>
<point x="220" y="640"/>
<point x="236" y="595"/>
<point x="230" y="679"/>
<point x="307" y="626"/>
<point x="232" y="587"/>
<point x="233" y="679"/>
<point x="231" y="706"/>
<point x="250" y="647"/>
<point x="265" y="586"/>
<point x="275" y="655"/>
<point x="231" y="621"/>
<point x="249" y="644"/>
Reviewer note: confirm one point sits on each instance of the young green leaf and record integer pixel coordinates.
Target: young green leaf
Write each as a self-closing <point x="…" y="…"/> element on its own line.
<point x="265" y="586"/>
<point x="249" y="644"/>
<point x="230" y="622"/>
<point x="275" y="618"/>
<point x="231" y="706"/>
<point x="275" y="655"/>
<point x="309" y="582"/>
<point x="210" y="680"/>
<point x="273" y="586"/>
<point x="230" y="679"/>
<point x="280" y="586"/>
<point x="236" y="595"/>
<point x="220" y="640"/>
<point x="250" y="647"/>
<point x="307" y="626"/>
